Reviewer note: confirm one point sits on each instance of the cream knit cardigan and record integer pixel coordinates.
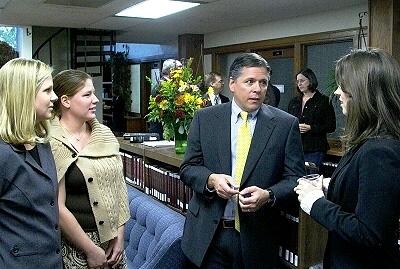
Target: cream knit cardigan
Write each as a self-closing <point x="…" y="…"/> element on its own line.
<point x="101" y="166"/>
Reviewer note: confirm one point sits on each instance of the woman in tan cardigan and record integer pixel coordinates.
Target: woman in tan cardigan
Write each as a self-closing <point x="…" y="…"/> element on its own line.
<point x="92" y="192"/>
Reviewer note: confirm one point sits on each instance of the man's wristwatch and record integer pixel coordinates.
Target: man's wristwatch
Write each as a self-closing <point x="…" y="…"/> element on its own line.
<point x="272" y="197"/>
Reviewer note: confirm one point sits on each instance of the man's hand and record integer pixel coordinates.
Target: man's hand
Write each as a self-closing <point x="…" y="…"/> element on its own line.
<point x="223" y="185"/>
<point x="252" y="198"/>
<point x="304" y="128"/>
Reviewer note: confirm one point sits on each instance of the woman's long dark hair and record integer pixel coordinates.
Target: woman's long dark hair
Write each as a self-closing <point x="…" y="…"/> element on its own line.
<point x="371" y="78"/>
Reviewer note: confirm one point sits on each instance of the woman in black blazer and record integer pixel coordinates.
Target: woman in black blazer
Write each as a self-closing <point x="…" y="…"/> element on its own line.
<point x="30" y="237"/>
<point x="316" y="116"/>
<point x="362" y="207"/>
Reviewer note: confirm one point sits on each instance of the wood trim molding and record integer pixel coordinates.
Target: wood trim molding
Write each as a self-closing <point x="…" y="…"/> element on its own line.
<point x="284" y="42"/>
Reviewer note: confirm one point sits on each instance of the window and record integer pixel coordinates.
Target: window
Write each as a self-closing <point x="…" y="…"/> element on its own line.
<point x="9" y="35"/>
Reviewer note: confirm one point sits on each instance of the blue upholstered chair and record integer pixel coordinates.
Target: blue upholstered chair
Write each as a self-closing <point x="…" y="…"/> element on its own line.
<point x="153" y="234"/>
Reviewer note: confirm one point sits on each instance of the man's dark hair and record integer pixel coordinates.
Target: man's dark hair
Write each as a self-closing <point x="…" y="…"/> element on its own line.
<point x="308" y="73"/>
<point x="6" y="53"/>
<point x="247" y="60"/>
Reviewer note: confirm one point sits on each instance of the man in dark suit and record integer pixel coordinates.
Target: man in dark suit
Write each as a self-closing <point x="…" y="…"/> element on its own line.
<point x="214" y="84"/>
<point x="274" y="162"/>
<point x="273" y="96"/>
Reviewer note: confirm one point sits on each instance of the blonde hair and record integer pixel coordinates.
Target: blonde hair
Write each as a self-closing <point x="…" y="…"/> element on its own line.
<point x="68" y="82"/>
<point x="20" y="81"/>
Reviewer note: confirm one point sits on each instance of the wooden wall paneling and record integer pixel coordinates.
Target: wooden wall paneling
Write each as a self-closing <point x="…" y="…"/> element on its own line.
<point x="135" y="124"/>
<point x="283" y="42"/>
<point x="215" y="62"/>
<point x="298" y="57"/>
<point x="276" y="53"/>
<point x="296" y="42"/>
<point x="191" y="46"/>
<point x="384" y="25"/>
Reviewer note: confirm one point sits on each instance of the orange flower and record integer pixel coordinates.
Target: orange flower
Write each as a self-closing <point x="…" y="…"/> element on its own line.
<point x="180" y="100"/>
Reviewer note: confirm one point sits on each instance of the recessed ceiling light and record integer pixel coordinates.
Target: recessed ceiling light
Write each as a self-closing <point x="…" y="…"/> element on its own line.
<point x="154" y="9"/>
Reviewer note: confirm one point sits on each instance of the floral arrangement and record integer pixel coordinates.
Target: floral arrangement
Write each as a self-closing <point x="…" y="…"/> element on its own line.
<point x="176" y="101"/>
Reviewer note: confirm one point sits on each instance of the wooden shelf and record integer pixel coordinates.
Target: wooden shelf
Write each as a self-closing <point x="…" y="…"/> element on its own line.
<point x="312" y="241"/>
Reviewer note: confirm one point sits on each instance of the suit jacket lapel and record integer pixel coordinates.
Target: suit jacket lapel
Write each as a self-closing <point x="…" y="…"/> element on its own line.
<point x="262" y="132"/>
<point x="44" y="160"/>
<point x="223" y="134"/>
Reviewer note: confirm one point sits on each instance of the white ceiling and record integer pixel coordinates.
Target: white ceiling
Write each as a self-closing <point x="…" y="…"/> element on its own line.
<point x="212" y="16"/>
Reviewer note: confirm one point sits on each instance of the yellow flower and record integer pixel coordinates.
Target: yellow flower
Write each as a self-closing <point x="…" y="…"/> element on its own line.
<point x="189" y="98"/>
<point x="210" y="91"/>
<point x="163" y="104"/>
<point x="176" y="73"/>
<point x="199" y="102"/>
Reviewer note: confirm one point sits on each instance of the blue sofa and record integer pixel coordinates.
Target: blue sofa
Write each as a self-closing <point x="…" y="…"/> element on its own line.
<point x="153" y="234"/>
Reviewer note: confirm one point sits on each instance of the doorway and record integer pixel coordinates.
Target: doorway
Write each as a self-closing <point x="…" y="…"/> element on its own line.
<point x="281" y="61"/>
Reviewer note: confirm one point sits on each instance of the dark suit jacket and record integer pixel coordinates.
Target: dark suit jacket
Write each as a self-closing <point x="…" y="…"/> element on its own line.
<point x="223" y="98"/>
<point x="275" y="161"/>
<point x="362" y="208"/>
<point x="319" y="113"/>
<point x="273" y="96"/>
<point x="29" y="234"/>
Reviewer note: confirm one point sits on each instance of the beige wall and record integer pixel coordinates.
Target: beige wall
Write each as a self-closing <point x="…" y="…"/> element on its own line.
<point x="314" y="23"/>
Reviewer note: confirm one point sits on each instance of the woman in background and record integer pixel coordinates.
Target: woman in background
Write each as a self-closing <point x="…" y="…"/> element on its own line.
<point x="29" y="235"/>
<point x="362" y="207"/>
<point x="92" y="192"/>
<point x="316" y="116"/>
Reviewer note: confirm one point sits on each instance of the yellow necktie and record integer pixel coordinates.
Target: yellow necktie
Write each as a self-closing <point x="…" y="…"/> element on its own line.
<point x="243" y="142"/>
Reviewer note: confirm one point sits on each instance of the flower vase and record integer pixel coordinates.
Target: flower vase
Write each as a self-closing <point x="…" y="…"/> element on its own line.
<point x="180" y="137"/>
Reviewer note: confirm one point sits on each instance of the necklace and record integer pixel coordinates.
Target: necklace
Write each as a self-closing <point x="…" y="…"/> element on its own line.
<point x="77" y="138"/>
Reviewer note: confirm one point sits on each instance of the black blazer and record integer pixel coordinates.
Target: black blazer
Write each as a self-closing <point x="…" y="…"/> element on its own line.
<point x="319" y="113"/>
<point x="29" y="234"/>
<point x="273" y="96"/>
<point x="275" y="161"/>
<point x="362" y="209"/>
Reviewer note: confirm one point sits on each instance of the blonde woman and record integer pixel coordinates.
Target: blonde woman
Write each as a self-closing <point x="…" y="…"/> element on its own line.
<point x="28" y="183"/>
<point x="92" y="192"/>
